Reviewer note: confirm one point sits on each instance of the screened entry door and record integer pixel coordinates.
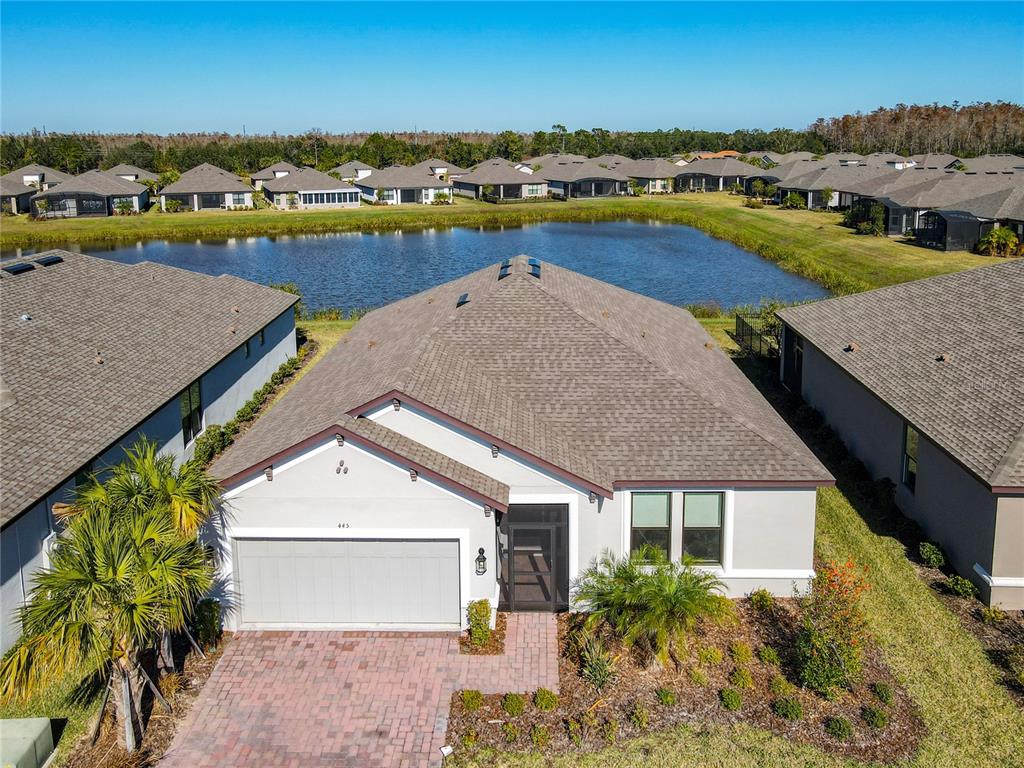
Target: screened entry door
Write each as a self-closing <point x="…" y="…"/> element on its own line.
<point x="533" y="545"/>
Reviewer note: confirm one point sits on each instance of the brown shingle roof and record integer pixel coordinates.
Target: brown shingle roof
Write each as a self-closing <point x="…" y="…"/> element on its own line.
<point x="155" y="328"/>
<point x="604" y="384"/>
<point x="206" y="178"/>
<point x="972" y="402"/>
<point x="719" y="166"/>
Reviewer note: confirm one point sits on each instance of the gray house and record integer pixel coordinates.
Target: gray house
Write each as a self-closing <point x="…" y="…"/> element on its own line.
<point x="39" y="177"/>
<point x="271" y="172"/>
<point x="438" y="457"/>
<point x="924" y="383"/>
<point x="352" y="170"/>
<point x="132" y="173"/>
<point x="714" y="174"/>
<point x="654" y="175"/>
<point x="583" y="178"/>
<point x="97" y="353"/>
<point x="93" y="193"/>
<point x="306" y="188"/>
<point x="206" y="187"/>
<point x="403" y="184"/>
<point x="500" y="179"/>
<point x="14" y="195"/>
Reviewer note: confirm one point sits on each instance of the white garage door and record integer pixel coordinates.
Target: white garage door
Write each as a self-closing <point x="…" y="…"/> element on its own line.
<point x="348" y="582"/>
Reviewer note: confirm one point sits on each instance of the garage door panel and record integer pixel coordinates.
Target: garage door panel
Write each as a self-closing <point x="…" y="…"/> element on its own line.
<point x="354" y="582"/>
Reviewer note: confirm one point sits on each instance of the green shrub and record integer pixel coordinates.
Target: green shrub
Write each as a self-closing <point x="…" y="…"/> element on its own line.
<point x="731" y="699"/>
<point x="762" y="600"/>
<point x="610" y="730"/>
<point x="479" y="612"/>
<point x="472" y="700"/>
<point x="883" y="692"/>
<point x="510" y="732"/>
<point x="958" y="585"/>
<point x="769" y="655"/>
<point x="741" y="678"/>
<point x="794" y="201"/>
<point x="740" y="652"/>
<point x="469" y="738"/>
<point x="874" y="716"/>
<point x="992" y="615"/>
<point x="788" y="708"/>
<point x="545" y="700"/>
<point x="598" y="666"/>
<point x="574" y="730"/>
<point x="650" y="601"/>
<point x="753" y="202"/>
<point x="709" y="655"/>
<point x="780" y="686"/>
<point x="513" y="704"/>
<point x="539" y="736"/>
<point x="838" y="728"/>
<point x="211" y="442"/>
<point x="666" y="697"/>
<point x="640" y="717"/>
<point x="697" y="676"/>
<point x="207" y="623"/>
<point x="931" y="554"/>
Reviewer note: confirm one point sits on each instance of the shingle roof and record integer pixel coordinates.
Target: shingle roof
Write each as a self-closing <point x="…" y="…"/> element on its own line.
<point x="96" y="183"/>
<point x="68" y="406"/>
<point x="542" y="161"/>
<point x="947" y="190"/>
<point x="499" y="171"/>
<point x="400" y="177"/>
<point x="575" y="170"/>
<point x="604" y="384"/>
<point x="269" y="172"/>
<point x="971" y="403"/>
<point x="993" y="163"/>
<point x="306" y="180"/>
<point x="838" y="177"/>
<point x="650" y="168"/>
<point x="11" y="187"/>
<point x="206" y="178"/>
<point x="934" y="160"/>
<point x="124" y="169"/>
<point x="50" y="175"/>
<point x="351" y="167"/>
<point x="436" y="162"/>
<point x="1001" y="205"/>
<point x="719" y="166"/>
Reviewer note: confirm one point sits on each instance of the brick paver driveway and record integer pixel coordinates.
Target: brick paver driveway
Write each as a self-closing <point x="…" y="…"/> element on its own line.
<point x="349" y="698"/>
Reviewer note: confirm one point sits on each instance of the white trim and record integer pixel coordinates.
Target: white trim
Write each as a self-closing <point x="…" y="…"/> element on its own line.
<point x="573" y="501"/>
<point x="728" y="521"/>
<point x="428" y="534"/>
<point x="998" y="581"/>
<point x="760" y="573"/>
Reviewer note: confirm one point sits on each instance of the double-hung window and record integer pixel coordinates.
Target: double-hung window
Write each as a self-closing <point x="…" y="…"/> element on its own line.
<point x="651" y="522"/>
<point x="238" y="198"/>
<point x="909" y="470"/>
<point x="702" y="526"/>
<point x="191" y="413"/>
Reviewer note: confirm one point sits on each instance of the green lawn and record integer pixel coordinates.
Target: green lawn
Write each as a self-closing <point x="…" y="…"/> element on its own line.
<point x="807" y="243"/>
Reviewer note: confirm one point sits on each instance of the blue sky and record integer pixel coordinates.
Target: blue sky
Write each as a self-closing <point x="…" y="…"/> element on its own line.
<point x="287" y="67"/>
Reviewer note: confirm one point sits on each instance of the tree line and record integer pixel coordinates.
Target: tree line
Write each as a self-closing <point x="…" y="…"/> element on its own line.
<point x="961" y="130"/>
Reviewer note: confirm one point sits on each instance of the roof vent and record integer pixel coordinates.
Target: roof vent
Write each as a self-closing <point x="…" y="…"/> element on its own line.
<point x="463" y="299"/>
<point x="25" y="317"/>
<point x="853" y="346"/>
<point x="506" y="269"/>
<point x="17" y="269"/>
<point x="943" y="358"/>
<point x="99" y="358"/>
<point x="49" y="261"/>
<point x="534" y="267"/>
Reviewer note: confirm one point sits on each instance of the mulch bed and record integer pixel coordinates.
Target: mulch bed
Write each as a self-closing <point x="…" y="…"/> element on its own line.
<point x="697" y="703"/>
<point x="494" y="647"/>
<point x="160" y="726"/>
<point x="998" y="638"/>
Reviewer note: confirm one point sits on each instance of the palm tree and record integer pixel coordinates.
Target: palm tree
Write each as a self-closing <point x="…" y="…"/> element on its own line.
<point x="1001" y="241"/>
<point x="117" y="579"/>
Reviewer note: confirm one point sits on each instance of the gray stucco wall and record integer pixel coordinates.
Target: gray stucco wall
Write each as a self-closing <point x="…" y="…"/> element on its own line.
<point x="951" y="505"/>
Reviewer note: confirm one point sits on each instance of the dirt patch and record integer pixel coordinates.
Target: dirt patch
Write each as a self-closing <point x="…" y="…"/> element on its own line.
<point x="695" y="686"/>
<point x="493" y="647"/>
<point x="180" y="690"/>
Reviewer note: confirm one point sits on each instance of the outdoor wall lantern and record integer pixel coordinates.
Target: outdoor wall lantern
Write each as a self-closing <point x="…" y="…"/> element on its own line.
<point x="481" y="562"/>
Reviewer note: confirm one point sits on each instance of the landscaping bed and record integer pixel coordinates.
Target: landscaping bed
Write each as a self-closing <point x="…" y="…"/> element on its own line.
<point x="645" y="697"/>
<point x="495" y="644"/>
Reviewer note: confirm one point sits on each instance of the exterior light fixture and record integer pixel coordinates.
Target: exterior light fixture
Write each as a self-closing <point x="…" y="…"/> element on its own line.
<point x="269" y="472"/>
<point x="494" y="451"/>
<point x="487" y="510"/>
<point x="481" y="562"/>
<point x="397" y="403"/>
<point x="593" y="497"/>
<point x="413" y="474"/>
<point x="340" y="438"/>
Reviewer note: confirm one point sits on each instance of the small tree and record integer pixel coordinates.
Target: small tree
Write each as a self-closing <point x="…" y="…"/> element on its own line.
<point x="736" y="188"/>
<point x="42" y="207"/>
<point x="124" y="207"/>
<point x="770" y="191"/>
<point x="757" y="187"/>
<point x="826" y="197"/>
<point x="442" y="198"/>
<point x="999" y="242"/>
<point x="794" y="200"/>
<point x="293" y="201"/>
<point x="635" y="188"/>
<point x="169" y="176"/>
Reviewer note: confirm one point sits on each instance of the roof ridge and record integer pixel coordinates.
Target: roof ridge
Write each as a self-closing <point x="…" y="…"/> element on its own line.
<point x="746" y="424"/>
<point x="1014" y="455"/>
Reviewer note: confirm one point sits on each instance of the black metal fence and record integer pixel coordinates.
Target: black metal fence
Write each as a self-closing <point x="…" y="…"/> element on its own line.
<point x="752" y="337"/>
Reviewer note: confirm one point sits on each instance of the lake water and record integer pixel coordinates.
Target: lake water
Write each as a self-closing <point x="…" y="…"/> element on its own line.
<point x="676" y="264"/>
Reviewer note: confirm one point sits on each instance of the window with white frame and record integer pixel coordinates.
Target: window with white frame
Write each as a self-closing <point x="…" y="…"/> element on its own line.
<point x="533" y="190"/>
<point x="702" y="526"/>
<point x="238" y="198"/>
<point x="651" y="524"/>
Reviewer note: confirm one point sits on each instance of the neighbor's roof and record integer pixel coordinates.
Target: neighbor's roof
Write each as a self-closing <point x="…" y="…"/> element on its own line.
<point x="605" y="385"/>
<point x="436" y="162"/>
<point x="946" y="353"/>
<point x="124" y="169"/>
<point x="206" y="178"/>
<point x="790" y="169"/>
<point x="719" y="166"/>
<point x="576" y="170"/>
<point x="307" y="180"/>
<point x="269" y="172"/>
<point x="1001" y="205"/>
<point x="947" y="190"/>
<point x="400" y="177"/>
<point x="96" y="183"/>
<point x="497" y="170"/>
<point x="883" y="184"/>
<point x="350" y="167"/>
<point x="650" y="168"/>
<point x="993" y="163"/>
<point x="12" y="187"/>
<point x="106" y="346"/>
<point x="838" y="177"/>
<point x="935" y="160"/>
<point x="34" y="169"/>
<point x="542" y="161"/>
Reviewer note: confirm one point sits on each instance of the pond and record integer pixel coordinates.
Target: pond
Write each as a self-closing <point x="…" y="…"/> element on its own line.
<point x="673" y="263"/>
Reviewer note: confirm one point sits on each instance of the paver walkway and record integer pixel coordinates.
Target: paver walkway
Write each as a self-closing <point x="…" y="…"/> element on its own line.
<point x="350" y="698"/>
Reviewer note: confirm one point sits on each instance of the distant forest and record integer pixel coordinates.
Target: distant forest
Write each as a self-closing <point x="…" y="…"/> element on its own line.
<point x="965" y="131"/>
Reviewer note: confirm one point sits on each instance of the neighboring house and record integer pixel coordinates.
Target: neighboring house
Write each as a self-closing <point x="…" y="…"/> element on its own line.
<point x="491" y="437"/>
<point x="440" y="169"/>
<point x="990" y="163"/>
<point x="582" y="178"/>
<point x="207" y="187"/>
<point x="15" y="197"/>
<point x="275" y="171"/>
<point x="533" y="164"/>
<point x="889" y="160"/>
<point x="653" y="175"/>
<point x="308" y="188"/>
<point x="93" y="193"/>
<point x="959" y="227"/>
<point x="97" y="353"/>
<point x="924" y="383"/>
<point x="714" y="174"/>
<point x="403" y="184"/>
<point x="132" y="173"/>
<point x="842" y="158"/>
<point x="352" y="170"/>
<point x="39" y="177"/>
<point x="500" y="179"/>
<point x="778" y="158"/>
<point x="939" y="160"/>
<point x="811" y="185"/>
